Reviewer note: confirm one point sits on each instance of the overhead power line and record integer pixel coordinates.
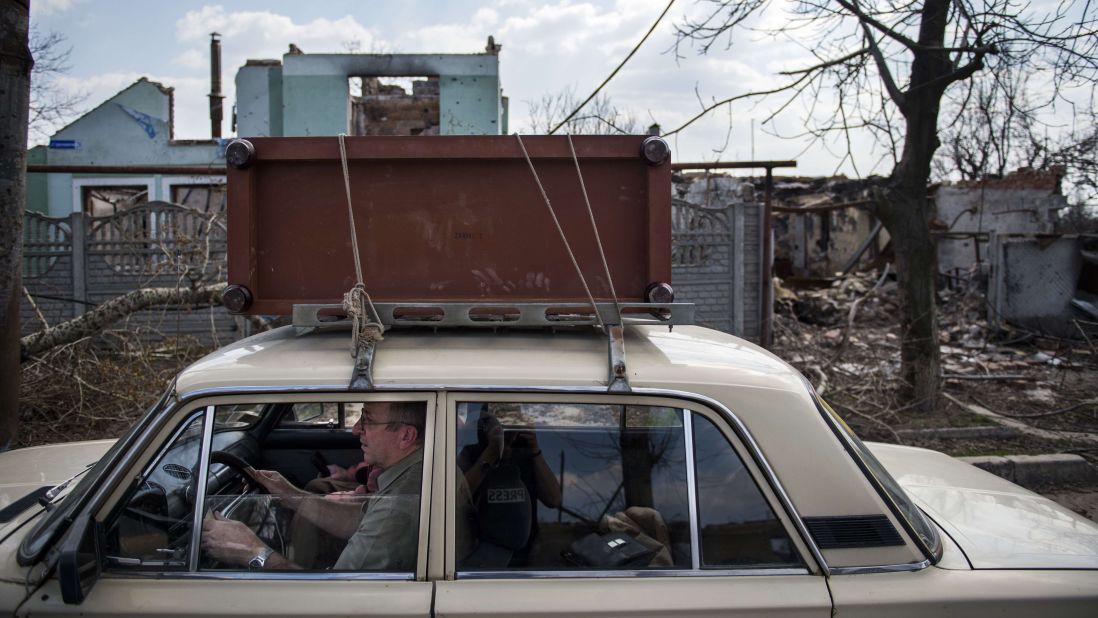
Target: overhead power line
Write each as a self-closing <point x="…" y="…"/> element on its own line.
<point x="615" y="72"/>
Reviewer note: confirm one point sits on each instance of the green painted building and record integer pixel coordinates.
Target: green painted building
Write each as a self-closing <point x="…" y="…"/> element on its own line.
<point x="299" y="95"/>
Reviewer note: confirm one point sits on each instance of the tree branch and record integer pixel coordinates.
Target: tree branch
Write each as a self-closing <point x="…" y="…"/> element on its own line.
<point x="113" y="310"/>
<point x="893" y="90"/>
<point x="867" y="20"/>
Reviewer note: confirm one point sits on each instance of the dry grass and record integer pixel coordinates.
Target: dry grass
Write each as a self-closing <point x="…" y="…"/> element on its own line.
<point x="95" y="389"/>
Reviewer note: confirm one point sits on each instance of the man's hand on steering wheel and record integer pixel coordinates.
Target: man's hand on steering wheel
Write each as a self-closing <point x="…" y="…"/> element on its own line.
<point x="277" y="485"/>
<point x="229" y="541"/>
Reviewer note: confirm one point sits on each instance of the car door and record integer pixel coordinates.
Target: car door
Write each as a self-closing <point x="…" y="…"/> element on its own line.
<point x="576" y="504"/>
<point x="153" y="560"/>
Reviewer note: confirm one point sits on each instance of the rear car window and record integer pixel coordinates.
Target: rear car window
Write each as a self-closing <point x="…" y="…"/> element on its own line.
<point x="565" y="487"/>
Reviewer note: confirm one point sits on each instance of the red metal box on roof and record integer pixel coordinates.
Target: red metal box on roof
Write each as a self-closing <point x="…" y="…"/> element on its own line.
<point x="446" y="219"/>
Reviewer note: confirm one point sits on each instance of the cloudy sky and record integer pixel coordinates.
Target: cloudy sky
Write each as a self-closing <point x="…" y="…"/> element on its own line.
<point x="548" y="47"/>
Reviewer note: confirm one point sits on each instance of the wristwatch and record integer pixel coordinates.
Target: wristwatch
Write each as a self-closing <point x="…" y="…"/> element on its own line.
<point x="260" y="559"/>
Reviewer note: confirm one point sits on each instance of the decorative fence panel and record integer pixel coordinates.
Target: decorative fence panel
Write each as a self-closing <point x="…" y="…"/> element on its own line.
<point x="78" y="262"/>
<point x="716" y="260"/>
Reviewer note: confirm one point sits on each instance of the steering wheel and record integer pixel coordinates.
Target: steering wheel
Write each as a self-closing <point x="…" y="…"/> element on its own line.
<point x="241" y="467"/>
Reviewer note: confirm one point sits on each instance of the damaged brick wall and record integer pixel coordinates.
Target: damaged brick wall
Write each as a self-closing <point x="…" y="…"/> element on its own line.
<point x="386" y="109"/>
<point x="968" y="213"/>
<point x="817" y="229"/>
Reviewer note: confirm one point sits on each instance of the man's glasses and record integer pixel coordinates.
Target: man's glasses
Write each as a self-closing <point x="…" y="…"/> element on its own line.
<point x="362" y="422"/>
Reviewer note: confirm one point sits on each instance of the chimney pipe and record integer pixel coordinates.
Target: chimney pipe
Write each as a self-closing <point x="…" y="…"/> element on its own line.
<point x="215" y="85"/>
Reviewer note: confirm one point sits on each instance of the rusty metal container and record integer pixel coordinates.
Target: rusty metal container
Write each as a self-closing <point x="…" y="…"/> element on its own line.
<point x="445" y="219"/>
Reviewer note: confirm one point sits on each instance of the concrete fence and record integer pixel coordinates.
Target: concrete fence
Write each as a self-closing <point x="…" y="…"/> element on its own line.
<point x="716" y="263"/>
<point x="73" y="263"/>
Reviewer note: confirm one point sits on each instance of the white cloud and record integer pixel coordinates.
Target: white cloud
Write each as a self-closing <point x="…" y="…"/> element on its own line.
<point x="192" y="59"/>
<point x="318" y="35"/>
<point x="51" y="7"/>
<point x="447" y="39"/>
<point x="485" y="17"/>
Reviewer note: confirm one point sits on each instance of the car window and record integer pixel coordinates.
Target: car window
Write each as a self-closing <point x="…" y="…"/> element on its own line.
<point x="556" y="486"/>
<point x="564" y="486"/>
<point x="153" y="526"/>
<point x="904" y="507"/>
<point x="277" y="506"/>
<point x="321" y="415"/>
<point x="737" y="528"/>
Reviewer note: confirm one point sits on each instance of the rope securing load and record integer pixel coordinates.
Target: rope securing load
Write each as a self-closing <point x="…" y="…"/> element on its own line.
<point x="564" y="238"/>
<point x="366" y="326"/>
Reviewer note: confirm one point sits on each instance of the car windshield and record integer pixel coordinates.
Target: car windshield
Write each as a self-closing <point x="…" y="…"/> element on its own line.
<point x="49" y="528"/>
<point x="904" y="507"/>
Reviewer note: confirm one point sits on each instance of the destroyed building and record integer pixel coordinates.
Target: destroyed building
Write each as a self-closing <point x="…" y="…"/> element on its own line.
<point x="92" y="234"/>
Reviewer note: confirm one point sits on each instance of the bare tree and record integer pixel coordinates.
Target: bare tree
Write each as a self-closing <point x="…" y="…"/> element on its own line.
<point x="15" y="71"/>
<point x="51" y="107"/>
<point x="991" y="129"/>
<point x="886" y="67"/>
<point x="599" y="117"/>
<point x="994" y="126"/>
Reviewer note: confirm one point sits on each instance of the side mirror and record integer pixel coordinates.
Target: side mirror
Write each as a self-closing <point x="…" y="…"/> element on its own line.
<point x="80" y="561"/>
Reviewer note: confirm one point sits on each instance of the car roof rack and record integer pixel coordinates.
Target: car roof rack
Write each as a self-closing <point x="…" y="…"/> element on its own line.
<point x="456" y="232"/>
<point x="308" y="317"/>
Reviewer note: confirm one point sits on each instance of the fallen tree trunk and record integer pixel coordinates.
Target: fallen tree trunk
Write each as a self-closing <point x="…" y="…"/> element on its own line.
<point x="113" y="310"/>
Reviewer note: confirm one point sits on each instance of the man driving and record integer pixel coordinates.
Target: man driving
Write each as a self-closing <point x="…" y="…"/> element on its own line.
<point x="381" y="533"/>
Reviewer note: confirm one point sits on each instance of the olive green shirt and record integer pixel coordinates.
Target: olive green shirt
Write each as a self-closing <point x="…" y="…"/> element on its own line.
<point x="388" y="533"/>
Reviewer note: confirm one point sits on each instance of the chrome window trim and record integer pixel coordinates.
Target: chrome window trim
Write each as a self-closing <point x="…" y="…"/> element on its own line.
<point x="577" y="574"/>
<point x="692" y="490"/>
<point x="266" y="575"/>
<point x="155" y="462"/>
<point x="884" y="568"/>
<point x="200" y="490"/>
<point x="931" y="556"/>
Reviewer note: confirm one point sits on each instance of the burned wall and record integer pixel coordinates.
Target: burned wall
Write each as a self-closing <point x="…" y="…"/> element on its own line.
<point x="387" y="109"/>
<point x="968" y="214"/>
<point x="821" y="225"/>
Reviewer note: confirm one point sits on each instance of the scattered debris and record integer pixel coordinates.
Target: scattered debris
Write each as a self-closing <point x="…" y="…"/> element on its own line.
<point x="842" y="333"/>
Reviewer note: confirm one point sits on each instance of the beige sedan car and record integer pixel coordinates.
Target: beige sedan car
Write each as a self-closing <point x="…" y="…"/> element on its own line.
<point x="495" y="474"/>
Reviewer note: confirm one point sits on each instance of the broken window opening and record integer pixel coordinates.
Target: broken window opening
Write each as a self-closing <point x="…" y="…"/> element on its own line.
<point x="102" y="201"/>
<point x="205" y="198"/>
<point x="401" y="105"/>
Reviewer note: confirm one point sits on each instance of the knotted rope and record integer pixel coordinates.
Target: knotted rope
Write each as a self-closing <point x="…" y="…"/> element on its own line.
<point x="366" y="326"/>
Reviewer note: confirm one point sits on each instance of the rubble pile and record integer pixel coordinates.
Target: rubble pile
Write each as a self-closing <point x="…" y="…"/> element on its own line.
<point x="844" y="335"/>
